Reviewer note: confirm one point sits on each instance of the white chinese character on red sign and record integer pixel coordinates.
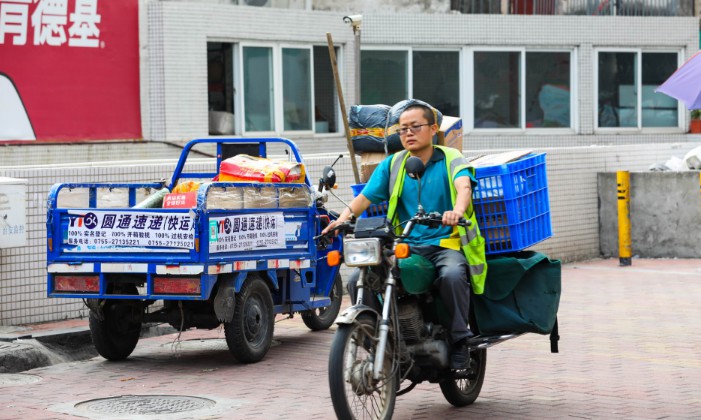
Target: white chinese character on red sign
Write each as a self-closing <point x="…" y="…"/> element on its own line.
<point x="13" y="20"/>
<point x="49" y="19"/>
<point x="84" y="31"/>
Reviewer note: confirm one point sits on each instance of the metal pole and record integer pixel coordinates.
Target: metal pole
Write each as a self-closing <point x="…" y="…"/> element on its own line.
<point x="624" y="242"/>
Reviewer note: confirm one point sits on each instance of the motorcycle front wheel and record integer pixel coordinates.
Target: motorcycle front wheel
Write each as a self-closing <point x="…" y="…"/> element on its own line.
<point x="354" y="393"/>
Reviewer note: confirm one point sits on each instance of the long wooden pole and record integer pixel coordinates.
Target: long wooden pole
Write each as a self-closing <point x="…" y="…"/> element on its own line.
<point x="339" y="89"/>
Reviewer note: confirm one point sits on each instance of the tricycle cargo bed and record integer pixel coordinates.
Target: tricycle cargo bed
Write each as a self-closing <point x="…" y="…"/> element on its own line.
<point x="175" y="246"/>
<point x="212" y="230"/>
<point x="212" y="238"/>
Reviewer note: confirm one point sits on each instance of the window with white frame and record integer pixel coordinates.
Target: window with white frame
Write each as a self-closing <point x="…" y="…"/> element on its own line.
<point x="270" y="89"/>
<point x="390" y="76"/>
<point x="522" y="89"/>
<point x="278" y="89"/>
<point x="625" y="94"/>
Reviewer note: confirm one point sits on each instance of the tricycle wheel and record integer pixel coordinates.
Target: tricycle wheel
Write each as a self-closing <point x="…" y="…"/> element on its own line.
<point x="354" y="392"/>
<point x="250" y="332"/>
<point x="116" y="334"/>
<point x="465" y="387"/>
<point x="322" y="318"/>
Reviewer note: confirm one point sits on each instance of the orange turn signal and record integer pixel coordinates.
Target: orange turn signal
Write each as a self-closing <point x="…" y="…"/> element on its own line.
<point x="402" y="251"/>
<point x="333" y="258"/>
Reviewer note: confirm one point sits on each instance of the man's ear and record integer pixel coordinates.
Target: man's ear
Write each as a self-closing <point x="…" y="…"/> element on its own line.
<point x="434" y="129"/>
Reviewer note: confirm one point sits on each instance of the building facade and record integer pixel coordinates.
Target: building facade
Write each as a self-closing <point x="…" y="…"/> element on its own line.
<point x="577" y="86"/>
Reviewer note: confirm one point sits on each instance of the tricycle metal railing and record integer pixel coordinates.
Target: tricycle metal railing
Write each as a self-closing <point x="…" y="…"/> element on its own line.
<point x="577" y="7"/>
<point x="262" y="151"/>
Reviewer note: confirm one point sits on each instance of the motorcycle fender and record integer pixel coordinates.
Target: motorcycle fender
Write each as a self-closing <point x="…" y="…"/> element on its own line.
<point x="349" y="315"/>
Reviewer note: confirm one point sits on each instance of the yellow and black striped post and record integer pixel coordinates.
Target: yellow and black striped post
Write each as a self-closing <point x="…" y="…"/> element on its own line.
<point x="623" y="190"/>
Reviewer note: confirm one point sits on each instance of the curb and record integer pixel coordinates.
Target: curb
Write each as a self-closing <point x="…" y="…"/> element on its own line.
<point x="21" y="351"/>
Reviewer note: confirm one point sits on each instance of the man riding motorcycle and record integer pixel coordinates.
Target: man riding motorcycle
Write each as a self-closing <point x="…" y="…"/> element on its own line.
<point x="447" y="184"/>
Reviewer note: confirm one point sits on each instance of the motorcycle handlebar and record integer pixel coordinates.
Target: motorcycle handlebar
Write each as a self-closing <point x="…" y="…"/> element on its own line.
<point x="435" y="219"/>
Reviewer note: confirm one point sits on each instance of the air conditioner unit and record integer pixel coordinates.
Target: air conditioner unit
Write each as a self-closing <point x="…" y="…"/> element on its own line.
<point x="258" y="3"/>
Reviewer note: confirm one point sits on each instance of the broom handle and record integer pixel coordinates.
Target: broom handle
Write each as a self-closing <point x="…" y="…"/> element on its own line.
<point x="339" y="89"/>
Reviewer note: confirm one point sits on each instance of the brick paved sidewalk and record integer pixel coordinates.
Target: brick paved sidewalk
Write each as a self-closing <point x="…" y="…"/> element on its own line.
<point x="628" y="350"/>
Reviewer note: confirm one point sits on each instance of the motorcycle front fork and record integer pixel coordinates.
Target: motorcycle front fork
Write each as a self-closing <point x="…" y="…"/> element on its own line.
<point x="384" y="321"/>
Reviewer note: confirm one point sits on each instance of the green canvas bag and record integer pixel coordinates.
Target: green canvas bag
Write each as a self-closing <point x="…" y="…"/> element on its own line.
<point x="522" y="294"/>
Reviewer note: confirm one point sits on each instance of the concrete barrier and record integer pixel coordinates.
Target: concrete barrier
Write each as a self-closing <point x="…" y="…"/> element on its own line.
<point x="665" y="214"/>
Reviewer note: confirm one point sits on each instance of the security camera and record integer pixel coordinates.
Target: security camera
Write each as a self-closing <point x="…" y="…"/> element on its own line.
<point x="354" y="20"/>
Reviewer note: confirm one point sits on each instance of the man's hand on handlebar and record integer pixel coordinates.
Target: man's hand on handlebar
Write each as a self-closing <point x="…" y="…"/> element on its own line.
<point x="451" y="218"/>
<point x="331" y="226"/>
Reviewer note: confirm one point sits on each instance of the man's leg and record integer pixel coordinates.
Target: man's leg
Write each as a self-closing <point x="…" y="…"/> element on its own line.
<point x="454" y="288"/>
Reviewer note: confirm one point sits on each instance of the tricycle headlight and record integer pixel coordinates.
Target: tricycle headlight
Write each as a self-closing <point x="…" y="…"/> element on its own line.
<point x="361" y="252"/>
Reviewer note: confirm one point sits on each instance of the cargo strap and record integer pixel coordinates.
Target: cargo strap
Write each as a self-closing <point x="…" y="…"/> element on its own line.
<point x="554" y="338"/>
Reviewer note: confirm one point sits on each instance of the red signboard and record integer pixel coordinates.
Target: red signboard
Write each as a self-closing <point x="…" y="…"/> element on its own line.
<point x="69" y="70"/>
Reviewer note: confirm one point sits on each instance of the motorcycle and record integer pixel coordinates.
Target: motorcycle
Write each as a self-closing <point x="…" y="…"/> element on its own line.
<point x="373" y="353"/>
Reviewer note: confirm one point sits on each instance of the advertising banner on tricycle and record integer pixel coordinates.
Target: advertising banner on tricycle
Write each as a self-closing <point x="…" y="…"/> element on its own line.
<point x="108" y="231"/>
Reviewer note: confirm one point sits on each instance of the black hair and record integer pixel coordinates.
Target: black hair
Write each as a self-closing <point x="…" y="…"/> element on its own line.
<point x="429" y="114"/>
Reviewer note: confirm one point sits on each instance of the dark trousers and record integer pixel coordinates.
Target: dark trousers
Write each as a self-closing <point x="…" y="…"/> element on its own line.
<point x="452" y="284"/>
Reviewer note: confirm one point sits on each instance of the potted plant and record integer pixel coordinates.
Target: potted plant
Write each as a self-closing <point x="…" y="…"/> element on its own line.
<point x="695" y="123"/>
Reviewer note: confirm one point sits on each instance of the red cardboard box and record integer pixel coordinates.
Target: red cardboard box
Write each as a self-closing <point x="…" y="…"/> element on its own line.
<point x="180" y="200"/>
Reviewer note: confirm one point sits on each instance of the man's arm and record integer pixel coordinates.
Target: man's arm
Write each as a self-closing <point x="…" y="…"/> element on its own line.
<point x="355" y="207"/>
<point x="463" y="187"/>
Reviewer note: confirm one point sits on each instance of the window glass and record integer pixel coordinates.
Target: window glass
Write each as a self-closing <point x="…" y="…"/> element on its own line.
<point x="496" y="87"/>
<point x="258" y="88"/>
<point x="325" y="115"/>
<point x="296" y="89"/>
<point x="617" y="103"/>
<point x="384" y="77"/>
<point x="547" y="89"/>
<point x="436" y="80"/>
<point x="658" y="109"/>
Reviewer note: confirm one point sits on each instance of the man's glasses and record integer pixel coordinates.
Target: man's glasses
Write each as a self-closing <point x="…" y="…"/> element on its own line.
<point x="414" y="129"/>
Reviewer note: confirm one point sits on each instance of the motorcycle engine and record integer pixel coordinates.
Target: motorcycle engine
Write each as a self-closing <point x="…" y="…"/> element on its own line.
<point x="411" y="322"/>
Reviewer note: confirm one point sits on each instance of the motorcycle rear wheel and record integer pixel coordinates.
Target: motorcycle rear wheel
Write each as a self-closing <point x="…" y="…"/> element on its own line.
<point x="353" y="392"/>
<point x="464" y="391"/>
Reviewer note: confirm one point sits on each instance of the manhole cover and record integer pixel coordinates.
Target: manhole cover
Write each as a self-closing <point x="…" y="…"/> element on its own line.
<point x="14" y="379"/>
<point x="145" y="405"/>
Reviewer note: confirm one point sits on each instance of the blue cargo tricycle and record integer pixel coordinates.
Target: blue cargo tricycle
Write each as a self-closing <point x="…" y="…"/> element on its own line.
<point x="227" y="252"/>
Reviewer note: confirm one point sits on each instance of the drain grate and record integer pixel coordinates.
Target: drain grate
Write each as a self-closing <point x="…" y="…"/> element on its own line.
<point x="145" y="405"/>
<point x="15" y="379"/>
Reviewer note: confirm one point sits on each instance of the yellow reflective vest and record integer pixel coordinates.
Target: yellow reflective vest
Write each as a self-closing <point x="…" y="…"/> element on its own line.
<point x="471" y="241"/>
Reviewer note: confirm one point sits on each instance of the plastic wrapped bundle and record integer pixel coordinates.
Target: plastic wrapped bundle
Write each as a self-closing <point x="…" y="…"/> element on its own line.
<point x="256" y="169"/>
<point x="394" y="143"/>
<point x="367" y="127"/>
<point x="155" y="200"/>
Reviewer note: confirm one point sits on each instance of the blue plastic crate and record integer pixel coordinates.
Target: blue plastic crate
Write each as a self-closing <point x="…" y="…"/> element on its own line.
<point x="375" y="210"/>
<point x="512" y="205"/>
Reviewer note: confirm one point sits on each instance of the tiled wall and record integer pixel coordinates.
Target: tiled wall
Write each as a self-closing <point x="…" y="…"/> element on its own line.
<point x="573" y="200"/>
<point x="178" y="32"/>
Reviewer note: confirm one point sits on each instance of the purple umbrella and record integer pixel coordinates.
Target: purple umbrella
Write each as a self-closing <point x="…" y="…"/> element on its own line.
<point x="685" y="83"/>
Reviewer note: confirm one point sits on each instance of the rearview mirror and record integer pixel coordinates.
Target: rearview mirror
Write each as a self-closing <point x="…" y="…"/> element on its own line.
<point x="415" y="167"/>
<point x="328" y="178"/>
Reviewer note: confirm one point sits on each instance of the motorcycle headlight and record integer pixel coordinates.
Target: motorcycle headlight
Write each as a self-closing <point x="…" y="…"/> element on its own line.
<point x="361" y="252"/>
